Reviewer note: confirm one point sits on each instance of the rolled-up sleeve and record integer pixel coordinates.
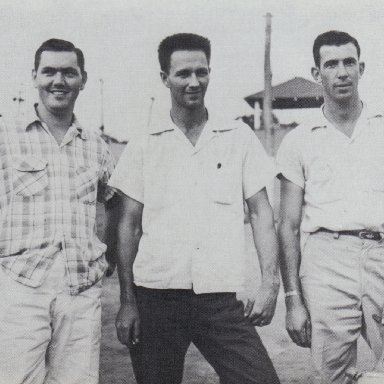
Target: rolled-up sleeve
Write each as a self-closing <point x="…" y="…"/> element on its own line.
<point x="288" y="160"/>
<point x="128" y="174"/>
<point x="258" y="168"/>
<point x="105" y="192"/>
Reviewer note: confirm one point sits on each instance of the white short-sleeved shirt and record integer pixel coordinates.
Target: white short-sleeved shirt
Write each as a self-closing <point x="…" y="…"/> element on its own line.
<point x="193" y="216"/>
<point x="343" y="178"/>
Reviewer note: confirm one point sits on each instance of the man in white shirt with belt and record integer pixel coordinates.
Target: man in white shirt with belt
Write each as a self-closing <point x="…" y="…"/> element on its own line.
<point x="181" y="234"/>
<point x="332" y="216"/>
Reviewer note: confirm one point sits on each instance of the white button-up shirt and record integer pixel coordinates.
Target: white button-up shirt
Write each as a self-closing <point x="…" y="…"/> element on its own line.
<point x="193" y="196"/>
<point x="343" y="177"/>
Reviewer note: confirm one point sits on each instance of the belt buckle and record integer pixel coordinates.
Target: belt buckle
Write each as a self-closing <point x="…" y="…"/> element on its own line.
<point x="367" y="235"/>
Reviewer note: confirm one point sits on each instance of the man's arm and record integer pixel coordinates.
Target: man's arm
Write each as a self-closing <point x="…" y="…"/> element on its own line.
<point x="128" y="237"/>
<point x="264" y="235"/>
<point x="297" y="318"/>
<point x="112" y="215"/>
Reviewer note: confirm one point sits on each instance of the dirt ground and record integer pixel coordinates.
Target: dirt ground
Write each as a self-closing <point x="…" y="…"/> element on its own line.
<point x="293" y="364"/>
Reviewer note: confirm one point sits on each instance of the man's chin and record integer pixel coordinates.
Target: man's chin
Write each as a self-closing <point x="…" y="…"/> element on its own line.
<point x="58" y="108"/>
<point x="194" y="104"/>
<point x="344" y="97"/>
<point x="343" y="93"/>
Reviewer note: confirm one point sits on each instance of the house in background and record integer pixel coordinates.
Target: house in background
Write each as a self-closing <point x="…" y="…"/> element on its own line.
<point x="294" y="95"/>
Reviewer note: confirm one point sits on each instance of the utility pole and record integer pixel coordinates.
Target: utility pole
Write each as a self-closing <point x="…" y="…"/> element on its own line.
<point x="267" y="99"/>
<point x="19" y="100"/>
<point x="101" y="105"/>
<point x="150" y="111"/>
<point x="267" y="112"/>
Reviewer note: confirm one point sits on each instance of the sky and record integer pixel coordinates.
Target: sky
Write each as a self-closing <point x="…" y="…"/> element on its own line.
<point x="119" y="39"/>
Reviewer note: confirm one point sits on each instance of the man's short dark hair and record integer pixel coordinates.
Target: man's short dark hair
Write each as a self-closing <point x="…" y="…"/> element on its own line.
<point x="57" y="45"/>
<point x="182" y="42"/>
<point x="332" y="38"/>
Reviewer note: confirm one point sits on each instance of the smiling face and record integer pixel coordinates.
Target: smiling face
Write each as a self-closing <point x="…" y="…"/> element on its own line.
<point x="339" y="71"/>
<point x="188" y="78"/>
<point x="58" y="80"/>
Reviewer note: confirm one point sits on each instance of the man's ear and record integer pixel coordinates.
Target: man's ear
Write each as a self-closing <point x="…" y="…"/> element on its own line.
<point x="84" y="76"/>
<point x="361" y="68"/>
<point x="164" y="78"/>
<point x="315" y="71"/>
<point x="34" y="77"/>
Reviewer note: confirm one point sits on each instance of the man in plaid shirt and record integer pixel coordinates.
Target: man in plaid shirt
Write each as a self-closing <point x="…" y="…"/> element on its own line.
<point x="53" y="172"/>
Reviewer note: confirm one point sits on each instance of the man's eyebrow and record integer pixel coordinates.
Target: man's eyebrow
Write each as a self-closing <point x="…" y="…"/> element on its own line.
<point x="331" y="61"/>
<point x="346" y="59"/>
<point x="182" y="71"/>
<point x="48" y="68"/>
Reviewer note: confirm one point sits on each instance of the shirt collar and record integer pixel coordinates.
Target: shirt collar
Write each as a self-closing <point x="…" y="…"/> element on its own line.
<point x="322" y="121"/>
<point x="164" y="123"/>
<point x="30" y="117"/>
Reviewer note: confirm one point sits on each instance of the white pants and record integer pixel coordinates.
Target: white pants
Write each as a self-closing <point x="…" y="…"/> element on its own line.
<point x="46" y="335"/>
<point x="343" y="284"/>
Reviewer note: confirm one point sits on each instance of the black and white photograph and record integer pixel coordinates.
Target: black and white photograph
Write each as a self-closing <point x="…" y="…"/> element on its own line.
<point x="191" y="192"/>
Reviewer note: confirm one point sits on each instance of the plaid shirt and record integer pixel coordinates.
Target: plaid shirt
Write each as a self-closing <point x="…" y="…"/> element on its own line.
<point x="48" y="199"/>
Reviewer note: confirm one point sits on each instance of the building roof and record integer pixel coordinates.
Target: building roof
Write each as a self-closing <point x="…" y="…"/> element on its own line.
<point x="295" y="93"/>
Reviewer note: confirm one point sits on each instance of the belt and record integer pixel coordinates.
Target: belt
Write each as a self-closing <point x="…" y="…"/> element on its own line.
<point x="361" y="233"/>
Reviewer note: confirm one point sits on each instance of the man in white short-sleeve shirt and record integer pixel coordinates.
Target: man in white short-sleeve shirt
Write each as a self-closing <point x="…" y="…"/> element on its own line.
<point x="181" y="234"/>
<point x="332" y="216"/>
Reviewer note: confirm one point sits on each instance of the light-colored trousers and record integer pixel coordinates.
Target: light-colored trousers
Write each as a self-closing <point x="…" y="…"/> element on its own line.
<point x="46" y="335"/>
<point x="343" y="284"/>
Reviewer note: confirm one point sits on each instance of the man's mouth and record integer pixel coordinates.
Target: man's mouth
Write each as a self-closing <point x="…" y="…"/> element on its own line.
<point x="194" y="93"/>
<point x="58" y="92"/>
<point x="344" y="85"/>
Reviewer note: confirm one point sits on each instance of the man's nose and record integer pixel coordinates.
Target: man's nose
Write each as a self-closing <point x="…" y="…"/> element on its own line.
<point x="58" y="78"/>
<point x="193" y="82"/>
<point x="341" y="70"/>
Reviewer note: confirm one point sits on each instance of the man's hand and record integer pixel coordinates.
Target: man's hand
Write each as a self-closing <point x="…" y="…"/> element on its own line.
<point x="128" y="325"/>
<point x="298" y="324"/>
<point x="261" y="310"/>
<point x="111" y="265"/>
<point x="128" y="236"/>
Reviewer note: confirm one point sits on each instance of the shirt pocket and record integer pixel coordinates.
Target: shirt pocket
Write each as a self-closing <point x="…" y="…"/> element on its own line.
<point x="221" y="186"/>
<point x="86" y="184"/>
<point x="30" y="176"/>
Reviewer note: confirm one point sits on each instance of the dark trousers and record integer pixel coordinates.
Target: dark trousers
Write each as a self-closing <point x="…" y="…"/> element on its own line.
<point x="214" y="322"/>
